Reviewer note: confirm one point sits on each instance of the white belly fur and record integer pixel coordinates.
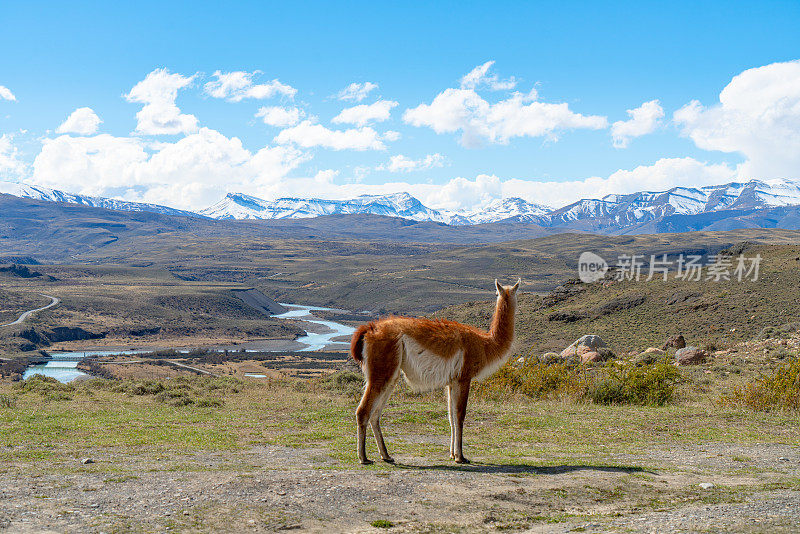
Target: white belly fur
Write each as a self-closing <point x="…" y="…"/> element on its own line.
<point x="425" y="370"/>
<point x="489" y="370"/>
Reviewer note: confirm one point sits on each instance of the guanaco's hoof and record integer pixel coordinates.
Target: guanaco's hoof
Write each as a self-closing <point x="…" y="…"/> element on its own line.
<point x="366" y="462"/>
<point x="388" y="460"/>
<point x="462" y="461"/>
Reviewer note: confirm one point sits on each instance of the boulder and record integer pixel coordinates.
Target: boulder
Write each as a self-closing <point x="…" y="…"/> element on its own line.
<point x="654" y="350"/>
<point x="584" y="344"/>
<point x="690" y="356"/>
<point x="595" y="356"/>
<point x="675" y="342"/>
<point x="591" y="356"/>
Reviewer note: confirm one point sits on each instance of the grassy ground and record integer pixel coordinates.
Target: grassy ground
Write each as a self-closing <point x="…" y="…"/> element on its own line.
<point x="271" y="454"/>
<point x="300" y="414"/>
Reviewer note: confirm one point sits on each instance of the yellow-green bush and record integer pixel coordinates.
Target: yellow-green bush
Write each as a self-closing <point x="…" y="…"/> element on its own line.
<point x="652" y="384"/>
<point x="537" y="380"/>
<point x="46" y="386"/>
<point x="779" y="390"/>
<point x="347" y="382"/>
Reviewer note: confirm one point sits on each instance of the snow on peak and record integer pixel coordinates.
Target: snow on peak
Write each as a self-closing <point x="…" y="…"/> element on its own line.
<point x="36" y="192"/>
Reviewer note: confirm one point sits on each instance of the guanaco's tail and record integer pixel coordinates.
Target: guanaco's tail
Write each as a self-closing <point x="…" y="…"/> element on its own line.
<point x="357" y="342"/>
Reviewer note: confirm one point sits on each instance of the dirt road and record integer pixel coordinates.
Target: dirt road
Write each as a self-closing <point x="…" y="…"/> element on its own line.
<point x="22" y="318"/>
<point x="271" y="488"/>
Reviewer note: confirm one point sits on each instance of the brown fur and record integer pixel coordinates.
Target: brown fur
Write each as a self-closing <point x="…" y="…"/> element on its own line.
<point x="357" y="342"/>
<point x="382" y="348"/>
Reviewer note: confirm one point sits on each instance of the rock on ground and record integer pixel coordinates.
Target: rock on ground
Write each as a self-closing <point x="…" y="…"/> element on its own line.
<point x="690" y="356"/>
<point x="587" y="343"/>
<point x="675" y="342"/>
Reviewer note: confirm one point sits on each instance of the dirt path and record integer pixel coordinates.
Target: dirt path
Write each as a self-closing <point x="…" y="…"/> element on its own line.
<point x="22" y="318"/>
<point x="270" y="488"/>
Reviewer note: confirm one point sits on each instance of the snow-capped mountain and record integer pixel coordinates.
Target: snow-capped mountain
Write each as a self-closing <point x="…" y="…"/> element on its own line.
<point x="241" y="206"/>
<point x="54" y="195"/>
<point x="761" y="203"/>
<point x="513" y="209"/>
<point x="622" y="210"/>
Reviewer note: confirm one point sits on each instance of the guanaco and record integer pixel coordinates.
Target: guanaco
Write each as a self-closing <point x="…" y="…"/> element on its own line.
<point x="431" y="354"/>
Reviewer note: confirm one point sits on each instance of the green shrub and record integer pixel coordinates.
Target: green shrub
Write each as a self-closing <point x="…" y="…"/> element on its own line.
<point x="139" y="387"/>
<point x="781" y="331"/>
<point x="537" y="380"/>
<point x="204" y="391"/>
<point x="382" y="523"/>
<point x="781" y="354"/>
<point x="208" y="402"/>
<point x="7" y="401"/>
<point x="175" y="397"/>
<point x="346" y="382"/>
<point x="651" y="385"/>
<point x="47" y="386"/>
<point x="607" y="391"/>
<point x="779" y="390"/>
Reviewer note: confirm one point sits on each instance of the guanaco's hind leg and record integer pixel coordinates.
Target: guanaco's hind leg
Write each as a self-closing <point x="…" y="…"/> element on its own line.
<point x="381" y="369"/>
<point x="374" y="420"/>
<point x="451" y="417"/>
<point x="459" y="394"/>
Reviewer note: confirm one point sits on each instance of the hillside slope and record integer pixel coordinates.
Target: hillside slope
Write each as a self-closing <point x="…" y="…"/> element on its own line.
<point x="632" y="315"/>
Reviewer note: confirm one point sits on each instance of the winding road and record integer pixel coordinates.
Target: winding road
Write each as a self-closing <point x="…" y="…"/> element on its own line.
<point x="25" y="315"/>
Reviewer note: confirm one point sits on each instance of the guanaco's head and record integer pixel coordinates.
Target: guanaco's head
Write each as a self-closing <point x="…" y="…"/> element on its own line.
<point x="507" y="292"/>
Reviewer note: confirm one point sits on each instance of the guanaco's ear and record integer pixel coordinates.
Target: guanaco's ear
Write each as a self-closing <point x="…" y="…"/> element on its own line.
<point x="498" y="286"/>
<point x="516" y="286"/>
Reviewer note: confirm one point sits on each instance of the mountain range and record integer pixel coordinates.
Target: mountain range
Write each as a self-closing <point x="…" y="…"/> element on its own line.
<point x="753" y="204"/>
<point x="54" y="195"/>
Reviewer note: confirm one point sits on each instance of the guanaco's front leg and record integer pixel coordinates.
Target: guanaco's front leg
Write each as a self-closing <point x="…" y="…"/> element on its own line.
<point x="460" y="394"/>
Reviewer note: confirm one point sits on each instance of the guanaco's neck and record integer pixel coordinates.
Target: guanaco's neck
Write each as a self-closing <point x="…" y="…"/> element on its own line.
<point x="502" y="329"/>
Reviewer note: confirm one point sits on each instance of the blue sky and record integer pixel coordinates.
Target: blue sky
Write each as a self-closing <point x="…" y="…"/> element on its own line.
<point x="588" y="63"/>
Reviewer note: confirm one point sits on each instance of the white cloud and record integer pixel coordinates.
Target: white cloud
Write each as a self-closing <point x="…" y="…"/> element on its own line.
<point x="6" y="94"/>
<point x="664" y="174"/>
<point x="160" y="115"/>
<point x="758" y="116"/>
<point x="326" y="176"/>
<point x="308" y="135"/>
<point x="401" y="163"/>
<point x="356" y="91"/>
<point x="11" y="166"/>
<point x="363" y="114"/>
<point x="279" y="116"/>
<point x="460" y="193"/>
<point x="82" y="121"/>
<point x="88" y="165"/>
<point x="518" y="116"/>
<point x="236" y="86"/>
<point x="643" y="120"/>
<point x="478" y="77"/>
<point x="191" y="173"/>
